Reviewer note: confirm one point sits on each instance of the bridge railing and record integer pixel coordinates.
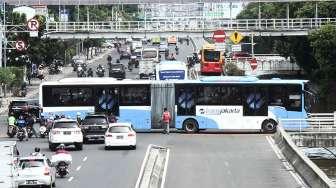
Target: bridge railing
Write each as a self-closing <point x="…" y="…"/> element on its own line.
<point x="198" y="25"/>
<point x="264" y="65"/>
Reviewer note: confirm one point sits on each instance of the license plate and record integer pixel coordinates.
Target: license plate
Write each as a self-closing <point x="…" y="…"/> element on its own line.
<point x="94" y="128"/>
<point x="67" y="132"/>
<point x="120" y="137"/>
<point x="31" y="182"/>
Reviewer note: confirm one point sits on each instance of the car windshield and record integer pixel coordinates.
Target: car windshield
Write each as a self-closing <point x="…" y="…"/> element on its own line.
<point x="119" y="129"/>
<point x="19" y="103"/>
<point x="31" y="163"/>
<point x="210" y="55"/>
<point x="118" y="66"/>
<point x="149" y="54"/>
<point x="94" y="120"/>
<point x="60" y="125"/>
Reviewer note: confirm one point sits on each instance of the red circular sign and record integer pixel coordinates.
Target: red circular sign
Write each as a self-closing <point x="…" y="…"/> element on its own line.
<point x="253" y="63"/>
<point x="20" y="45"/>
<point x="33" y="24"/>
<point x="219" y="36"/>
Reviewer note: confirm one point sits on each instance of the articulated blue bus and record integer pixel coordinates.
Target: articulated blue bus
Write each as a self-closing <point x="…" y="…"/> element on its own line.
<point x="225" y="103"/>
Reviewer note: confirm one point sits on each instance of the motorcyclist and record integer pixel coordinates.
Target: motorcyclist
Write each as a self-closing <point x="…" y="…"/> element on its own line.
<point x="61" y="149"/>
<point x="30" y="122"/>
<point x="37" y="152"/>
<point x="112" y="118"/>
<point x="11" y="120"/>
<point x="90" y="72"/>
<point x="118" y="61"/>
<point x="79" y="119"/>
<point x="172" y="56"/>
<point x="21" y="123"/>
<point x="176" y="49"/>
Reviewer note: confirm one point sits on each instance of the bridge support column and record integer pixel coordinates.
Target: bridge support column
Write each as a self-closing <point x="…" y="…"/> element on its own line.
<point x="287" y="10"/>
<point x="316" y="14"/>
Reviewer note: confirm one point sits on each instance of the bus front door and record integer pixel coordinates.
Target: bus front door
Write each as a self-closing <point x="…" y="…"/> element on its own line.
<point x="162" y="96"/>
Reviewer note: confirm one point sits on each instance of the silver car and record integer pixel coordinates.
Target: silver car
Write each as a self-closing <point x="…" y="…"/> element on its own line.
<point x="36" y="171"/>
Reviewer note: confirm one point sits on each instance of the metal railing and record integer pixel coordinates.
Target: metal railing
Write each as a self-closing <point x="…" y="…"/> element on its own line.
<point x="319" y="122"/>
<point x="264" y="65"/>
<point x="191" y="26"/>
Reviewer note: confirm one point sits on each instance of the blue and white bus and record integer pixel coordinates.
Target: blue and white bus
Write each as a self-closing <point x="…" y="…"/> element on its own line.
<point x="226" y="103"/>
<point x="171" y="70"/>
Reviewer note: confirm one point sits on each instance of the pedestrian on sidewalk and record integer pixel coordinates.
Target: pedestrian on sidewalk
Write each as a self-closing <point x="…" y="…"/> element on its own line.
<point x="166" y="118"/>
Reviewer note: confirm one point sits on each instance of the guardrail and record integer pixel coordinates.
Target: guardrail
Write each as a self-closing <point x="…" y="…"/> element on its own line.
<point x="308" y="170"/>
<point x="154" y="168"/>
<point x="198" y="25"/>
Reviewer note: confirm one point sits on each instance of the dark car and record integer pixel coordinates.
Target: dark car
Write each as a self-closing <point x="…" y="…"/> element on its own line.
<point x="124" y="54"/>
<point x="21" y="107"/>
<point x="94" y="127"/>
<point x="117" y="71"/>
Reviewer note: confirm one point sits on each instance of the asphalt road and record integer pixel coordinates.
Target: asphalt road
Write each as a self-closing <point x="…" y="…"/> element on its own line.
<point x="202" y="160"/>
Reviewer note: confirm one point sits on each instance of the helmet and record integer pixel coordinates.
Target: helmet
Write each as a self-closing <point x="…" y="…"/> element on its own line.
<point x="37" y="149"/>
<point x="56" y="116"/>
<point x="62" y="116"/>
<point x="61" y="146"/>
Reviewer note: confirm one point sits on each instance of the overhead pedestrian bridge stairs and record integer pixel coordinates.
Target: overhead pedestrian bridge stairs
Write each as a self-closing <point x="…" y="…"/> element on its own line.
<point x="193" y="28"/>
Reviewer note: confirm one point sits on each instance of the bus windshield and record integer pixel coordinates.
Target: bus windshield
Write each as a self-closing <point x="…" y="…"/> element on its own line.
<point x="210" y="55"/>
<point x="149" y="54"/>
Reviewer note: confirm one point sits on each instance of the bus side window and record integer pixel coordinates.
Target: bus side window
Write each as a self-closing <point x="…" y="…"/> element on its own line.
<point x="185" y="101"/>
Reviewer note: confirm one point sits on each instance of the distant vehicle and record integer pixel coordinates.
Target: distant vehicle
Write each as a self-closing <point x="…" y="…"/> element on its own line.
<point x="146" y="69"/>
<point x="108" y="44"/>
<point x="171" y="70"/>
<point x="117" y="71"/>
<point x="120" y="134"/>
<point x="137" y="53"/>
<point x="22" y="106"/>
<point x="156" y="40"/>
<point x="136" y="45"/>
<point x="163" y="48"/>
<point x="9" y="156"/>
<point x="36" y="171"/>
<point x="94" y="127"/>
<point x="124" y="54"/>
<point x="67" y="132"/>
<point x="220" y="103"/>
<point x="151" y="54"/>
<point x="172" y="40"/>
<point x="212" y="60"/>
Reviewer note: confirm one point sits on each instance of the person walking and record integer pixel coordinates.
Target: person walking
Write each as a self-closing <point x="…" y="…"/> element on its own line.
<point x="166" y="118"/>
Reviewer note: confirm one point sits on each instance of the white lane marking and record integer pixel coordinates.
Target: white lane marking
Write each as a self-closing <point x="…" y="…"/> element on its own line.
<point x="85" y="158"/>
<point x="143" y="166"/>
<point x="165" y="169"/>
<point x="78" y="168"/>
<point x="284" y="161"/>
<point x="70" y="179"/>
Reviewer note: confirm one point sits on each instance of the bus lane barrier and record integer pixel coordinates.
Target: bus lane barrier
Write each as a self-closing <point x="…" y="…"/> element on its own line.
<point x="154" y="167"/>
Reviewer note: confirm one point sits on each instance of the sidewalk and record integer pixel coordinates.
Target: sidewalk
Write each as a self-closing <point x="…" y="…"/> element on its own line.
<point x="33" y="90"/>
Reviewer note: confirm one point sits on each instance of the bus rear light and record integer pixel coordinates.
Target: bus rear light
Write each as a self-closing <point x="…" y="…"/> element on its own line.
<point x="131" y="134"/>
<point x="46" y="171"/>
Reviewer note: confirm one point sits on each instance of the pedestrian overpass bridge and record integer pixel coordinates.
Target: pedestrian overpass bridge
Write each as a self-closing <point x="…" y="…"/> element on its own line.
<point x="192" y="28"/>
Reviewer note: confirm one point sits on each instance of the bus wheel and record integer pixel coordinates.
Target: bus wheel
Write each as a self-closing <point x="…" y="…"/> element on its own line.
<point x="269" y="126"/>
<point x="190" y="126"/>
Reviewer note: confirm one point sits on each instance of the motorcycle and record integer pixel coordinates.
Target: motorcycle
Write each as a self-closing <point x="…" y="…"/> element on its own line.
<point x="62" y="169"/>
<point x="29" y="131"/>
<point x="81" y="73"/>
<point x="11" y="131"/>
<point x="100" y="72"/>
<point x="90" y="73"/>
<point x="43" y="131"/>
<point x="62" y="163"/>
<point x="21" y="134"/>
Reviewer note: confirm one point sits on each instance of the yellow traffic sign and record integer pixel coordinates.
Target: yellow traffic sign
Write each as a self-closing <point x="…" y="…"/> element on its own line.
<point x="236" y="37"/>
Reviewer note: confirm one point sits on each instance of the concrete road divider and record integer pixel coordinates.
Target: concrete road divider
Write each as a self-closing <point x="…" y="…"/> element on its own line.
<point x="308" y="170"/>
<point x="153" y="168"/>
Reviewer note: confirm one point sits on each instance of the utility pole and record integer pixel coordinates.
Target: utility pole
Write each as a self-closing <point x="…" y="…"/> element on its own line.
<point x="1" y="33"/>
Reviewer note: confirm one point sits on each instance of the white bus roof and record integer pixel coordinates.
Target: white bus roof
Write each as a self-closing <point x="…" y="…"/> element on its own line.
<point x="149" y="49"/>
<point x="172" y="65"/>
<point x="210" y="79"/>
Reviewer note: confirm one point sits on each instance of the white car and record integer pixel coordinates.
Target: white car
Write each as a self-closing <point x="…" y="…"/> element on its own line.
<point x="163" y="47"/>
<point x="36" y="171"/>
<point x="67" y="132"/>
<point x="120" y="134"/>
